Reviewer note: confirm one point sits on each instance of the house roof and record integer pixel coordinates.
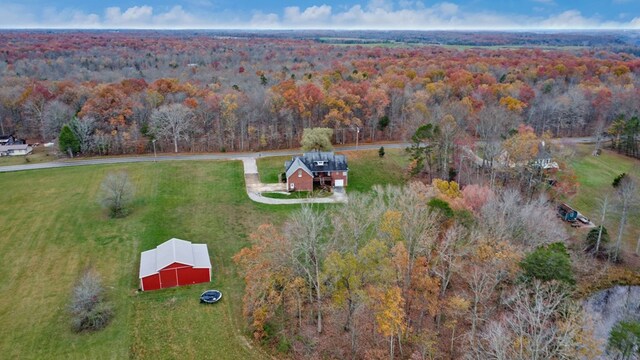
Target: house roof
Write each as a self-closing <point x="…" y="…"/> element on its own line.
<point x="317" y="161"/>
<point x="14" y="147"/>
<point x="293" y="166"/>
<point x="565" y="207"/>
<point x="174" y="251"/>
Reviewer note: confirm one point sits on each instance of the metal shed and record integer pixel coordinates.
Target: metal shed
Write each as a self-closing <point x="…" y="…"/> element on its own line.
<point x="174" y="263"/>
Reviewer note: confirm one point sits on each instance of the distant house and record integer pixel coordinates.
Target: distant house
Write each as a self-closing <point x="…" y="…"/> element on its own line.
<point x="7" y="140"/>
<point x="316" y="169"/>
<point x="567" y="213"/>
<point x="174" y="263"/>
<point x="15" y="150"/>
<point x="544" y="160"/>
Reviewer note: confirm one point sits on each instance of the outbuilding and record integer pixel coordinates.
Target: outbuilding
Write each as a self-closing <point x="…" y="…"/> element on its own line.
<point x="174" y="263"/>
<point x="567" y="213"/>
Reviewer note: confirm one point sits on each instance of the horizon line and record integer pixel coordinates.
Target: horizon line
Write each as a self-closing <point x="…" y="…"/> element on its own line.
<point x="600" y="29"/>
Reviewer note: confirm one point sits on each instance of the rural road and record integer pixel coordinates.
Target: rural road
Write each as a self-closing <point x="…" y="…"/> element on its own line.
<point x="216" y="156"/>
<point x="252" y="180"/>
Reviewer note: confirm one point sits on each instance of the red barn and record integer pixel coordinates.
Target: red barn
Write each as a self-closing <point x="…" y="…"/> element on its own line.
<point x="174" y="263"/>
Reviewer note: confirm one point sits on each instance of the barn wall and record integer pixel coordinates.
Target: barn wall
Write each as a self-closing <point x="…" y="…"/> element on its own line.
<point x="304" y="183"/>
<point x="188" y="276"/>
<point x="151" y="282"/>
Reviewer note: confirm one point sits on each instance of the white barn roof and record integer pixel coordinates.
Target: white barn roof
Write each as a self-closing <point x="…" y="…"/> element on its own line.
<point x="172" y="251"/>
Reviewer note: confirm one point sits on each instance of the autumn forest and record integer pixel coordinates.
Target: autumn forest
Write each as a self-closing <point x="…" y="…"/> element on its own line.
<point x="231" y="93"/>
<point x="462" y="256"/>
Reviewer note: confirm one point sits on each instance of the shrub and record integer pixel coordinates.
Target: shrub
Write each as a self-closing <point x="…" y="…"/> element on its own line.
<point x="592" y="241"/>
<point x="381" y="152"/>
<point x="116" y="194"/>
<point x="442" y="206"/>
<point x="618" y="179"/>
<point x="89" y="309"/>
<point x="550" y="262"/>
<point x="624" y="338"/>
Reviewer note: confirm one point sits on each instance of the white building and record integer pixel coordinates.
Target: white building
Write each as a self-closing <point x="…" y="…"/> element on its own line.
<point x="15" y="150"/>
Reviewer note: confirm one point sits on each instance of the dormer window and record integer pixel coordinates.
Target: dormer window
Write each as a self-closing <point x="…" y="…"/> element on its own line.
<point x="320" y="163"/>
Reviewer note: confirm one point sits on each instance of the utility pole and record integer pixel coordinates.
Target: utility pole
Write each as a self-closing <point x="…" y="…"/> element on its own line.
<point x="155" y="158"/>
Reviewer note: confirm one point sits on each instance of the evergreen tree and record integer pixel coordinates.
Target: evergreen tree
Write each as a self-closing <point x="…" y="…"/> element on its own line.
<point x="68" y="141"/>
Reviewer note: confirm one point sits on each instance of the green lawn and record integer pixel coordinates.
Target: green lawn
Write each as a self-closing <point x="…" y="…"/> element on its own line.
<point x="366" y="168"/>
<point x="53" y="229"/>
<point x="40" y="154"/>
<point x="595" y="174"/>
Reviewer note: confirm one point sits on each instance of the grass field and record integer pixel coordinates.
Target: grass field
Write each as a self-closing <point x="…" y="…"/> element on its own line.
<point x="40" y="154"/>
<point x="366" y="168"/>
<point x="595" y="174"/>
<point x="53" y="229"/>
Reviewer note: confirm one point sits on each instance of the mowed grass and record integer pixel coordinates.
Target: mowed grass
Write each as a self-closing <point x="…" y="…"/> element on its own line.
<point x="595" y="175"/>
<point x="40" y="154"/>
<point x="52" y="229"/>
<point x="366" y="168"/>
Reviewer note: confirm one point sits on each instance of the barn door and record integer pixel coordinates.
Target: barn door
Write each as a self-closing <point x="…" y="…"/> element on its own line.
<point x="169" y="278"/>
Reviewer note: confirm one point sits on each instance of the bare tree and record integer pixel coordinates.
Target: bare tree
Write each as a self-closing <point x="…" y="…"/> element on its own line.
<point x="116" y="194"/>
<point x="542" y="323"/>
<point x="508" y="217"/>
<point x="89" y="309"/>
<point x="56" y="114"/>
<point x="604" y="205"/>
<point x="83" y="129"/>
<point x="306" y="229"/>
<point x="627" y="194"/>
<point x="354" y="220"/>
<point x="173" y="122"/>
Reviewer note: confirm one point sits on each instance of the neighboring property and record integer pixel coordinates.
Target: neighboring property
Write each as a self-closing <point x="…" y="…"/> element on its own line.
<point x="567" y="213"/>
<point x="15" y="150"/>
<point x="7" y="139"/>
<point x="316" y="169"/>
<point x="544" y="160"/>
<point x="174" y="263"/>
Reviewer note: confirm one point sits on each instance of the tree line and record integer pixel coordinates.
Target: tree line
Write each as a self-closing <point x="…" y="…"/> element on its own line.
<point x="119" y="92"/>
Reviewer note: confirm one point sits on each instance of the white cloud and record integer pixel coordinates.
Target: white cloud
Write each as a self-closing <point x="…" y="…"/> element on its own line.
<point x="375" y="14"/>
<point x="265" y="21"/>
<point x="313" y="14"/>
<point x="131" y="17"/>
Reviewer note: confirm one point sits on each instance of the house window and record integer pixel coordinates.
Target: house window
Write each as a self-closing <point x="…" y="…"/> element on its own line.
<point x="292" y="185"/>
<point x="329" y="173"/>
<point x="299" y="173"/>
<point x="344" y="173"/>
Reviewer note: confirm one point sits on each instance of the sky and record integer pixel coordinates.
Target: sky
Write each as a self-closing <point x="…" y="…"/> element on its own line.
<point x="322" y="14"/>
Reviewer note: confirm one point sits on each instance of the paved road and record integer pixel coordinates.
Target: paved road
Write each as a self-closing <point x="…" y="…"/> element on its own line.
<point x="217" y="156"/>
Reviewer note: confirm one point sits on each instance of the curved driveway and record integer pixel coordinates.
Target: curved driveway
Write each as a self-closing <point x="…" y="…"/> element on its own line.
<point x="252" y="180"/>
